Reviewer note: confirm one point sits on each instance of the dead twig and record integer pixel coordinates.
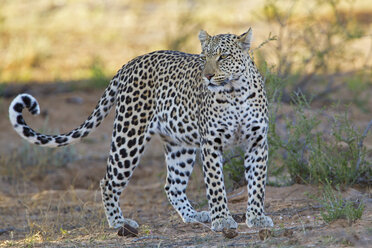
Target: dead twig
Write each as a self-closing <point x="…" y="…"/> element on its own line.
<point x="234" y="195"/>
<point x="5" y="230"/>
<point x="270" y="38"/>
<point x="203" y="224"/>
<point x="302" y="227"/>
<point x="149" y="237"/>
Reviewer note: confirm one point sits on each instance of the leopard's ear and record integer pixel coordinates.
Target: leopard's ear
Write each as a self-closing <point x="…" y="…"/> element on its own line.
<point x="244" y="40"/>
<point x="204" y="37"/>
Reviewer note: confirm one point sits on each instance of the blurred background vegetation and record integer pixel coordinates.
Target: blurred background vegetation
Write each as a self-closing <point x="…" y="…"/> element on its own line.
<point x="69" y="40"/>
<point x="316" y="57"/>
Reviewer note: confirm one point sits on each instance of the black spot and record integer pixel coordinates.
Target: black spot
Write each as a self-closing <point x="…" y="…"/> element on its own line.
<point x="60" y="140"/>
<point x="18" y="107"/>
<point x="133" y="152"/>
<point x="33" y="108"/>
<point x="217" y="140"/>
<point x="34" y="112"/>
<point x="252" y="95"/>
<point x="20" y="120"/>
<point x="255" y="128"/>
<point x="127" y="164"/>
<point x="120" y="176"/>
<point x="27" y="101"/>
<point x="42" y="139"/>
<point x="132" y="142"/>
<point x="27" y="132"/>
<point x="124" y="154"/>
<point x="131" y="132"/>
<point x="89" y="125"/>
<point x="76" y="135"/>
<point x="135" y="160"/>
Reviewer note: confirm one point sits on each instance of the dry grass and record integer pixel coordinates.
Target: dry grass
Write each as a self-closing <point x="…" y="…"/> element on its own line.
<point x="57" y="216"/>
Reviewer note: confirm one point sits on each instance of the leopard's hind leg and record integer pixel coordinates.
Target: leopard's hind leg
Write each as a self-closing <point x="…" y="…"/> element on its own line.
<point x="180" y="162"/>
<point x="130" y="135"/>
<point x="124" y="158"/>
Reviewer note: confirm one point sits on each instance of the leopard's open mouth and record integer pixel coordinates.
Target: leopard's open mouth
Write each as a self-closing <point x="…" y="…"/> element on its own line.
<point x="219" y="85"/>
<point x="224" y="82"/>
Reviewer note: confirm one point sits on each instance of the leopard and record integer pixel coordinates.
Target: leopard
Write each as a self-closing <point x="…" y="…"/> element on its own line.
<point x="196" y="103"/>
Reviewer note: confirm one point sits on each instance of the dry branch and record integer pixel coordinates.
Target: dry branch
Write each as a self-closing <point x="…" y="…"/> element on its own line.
<point x="149" y="237"/>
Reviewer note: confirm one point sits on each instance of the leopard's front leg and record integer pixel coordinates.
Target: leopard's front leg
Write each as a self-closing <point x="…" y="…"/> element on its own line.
<point x="216" y="194"/>
<point x="255" y="173"/>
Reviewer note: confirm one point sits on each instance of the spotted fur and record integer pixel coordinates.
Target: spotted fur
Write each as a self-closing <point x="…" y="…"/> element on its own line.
<point x="207" y="102"/>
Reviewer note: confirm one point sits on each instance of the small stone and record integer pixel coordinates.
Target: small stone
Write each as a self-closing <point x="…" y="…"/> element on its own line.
<point x="229" y="233"/>
<point x="128" y="231"/>
<point x="264" y="234"/>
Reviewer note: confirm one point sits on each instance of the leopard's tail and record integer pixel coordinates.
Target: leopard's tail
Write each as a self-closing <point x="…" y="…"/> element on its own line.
<point x="94" y="120"/>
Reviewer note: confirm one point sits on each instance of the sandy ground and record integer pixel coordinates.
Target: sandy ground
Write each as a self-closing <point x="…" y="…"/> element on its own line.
<point x="62" y="207"/>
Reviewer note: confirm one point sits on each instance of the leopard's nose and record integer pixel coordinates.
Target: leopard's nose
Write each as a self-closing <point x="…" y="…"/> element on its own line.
<point x="209" y="76"/>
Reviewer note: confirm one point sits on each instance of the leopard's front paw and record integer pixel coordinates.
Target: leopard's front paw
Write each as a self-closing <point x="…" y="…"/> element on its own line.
<point x="259" y="221"/>
<point x="202" y="216"/>
<point x="131" y="222"/>
<point x="122" y="221"/>
<point x="228" y="222"/>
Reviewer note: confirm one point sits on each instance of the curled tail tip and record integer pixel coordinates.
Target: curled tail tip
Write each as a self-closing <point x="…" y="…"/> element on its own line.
<point x="24" y="101"/>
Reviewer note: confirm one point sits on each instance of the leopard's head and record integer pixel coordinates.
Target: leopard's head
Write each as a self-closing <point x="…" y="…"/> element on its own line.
<point x="225" y="57"/>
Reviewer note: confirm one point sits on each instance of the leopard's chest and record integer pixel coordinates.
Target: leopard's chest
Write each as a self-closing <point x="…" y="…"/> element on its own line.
<point x="239" y="122"/>
<point x="233" y="126"/>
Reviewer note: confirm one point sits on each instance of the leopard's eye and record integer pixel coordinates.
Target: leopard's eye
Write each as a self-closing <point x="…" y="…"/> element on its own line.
<point x="223" y="56"/>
